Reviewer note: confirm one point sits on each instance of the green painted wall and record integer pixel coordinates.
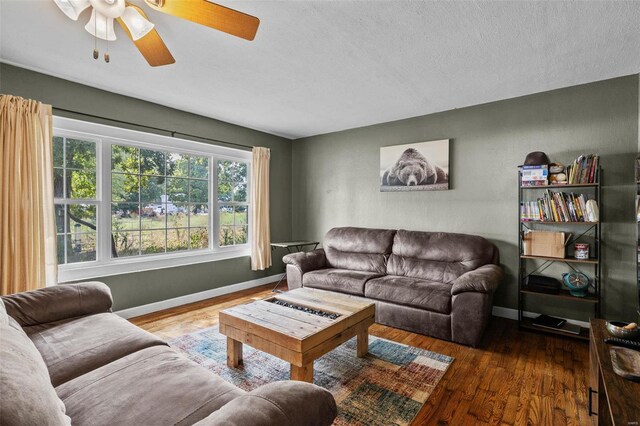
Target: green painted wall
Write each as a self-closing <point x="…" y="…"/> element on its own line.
<point x="145" y="287"/>
<point x="332" y="180"/>
<point x="336" y="178"/>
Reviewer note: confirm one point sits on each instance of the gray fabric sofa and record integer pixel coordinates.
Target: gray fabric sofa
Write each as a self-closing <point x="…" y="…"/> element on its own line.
<point x="66" y="359"/>
<point x="433" y="283"/>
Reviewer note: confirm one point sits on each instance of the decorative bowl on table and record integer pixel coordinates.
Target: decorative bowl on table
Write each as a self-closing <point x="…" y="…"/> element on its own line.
<point x="624" y="330"/>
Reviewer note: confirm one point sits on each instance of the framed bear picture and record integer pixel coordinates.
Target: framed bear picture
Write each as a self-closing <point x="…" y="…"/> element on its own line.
<point x="421" y="166"/>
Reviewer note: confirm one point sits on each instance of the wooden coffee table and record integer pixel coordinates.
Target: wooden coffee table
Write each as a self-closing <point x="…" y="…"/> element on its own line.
<point x="293" y="335"/>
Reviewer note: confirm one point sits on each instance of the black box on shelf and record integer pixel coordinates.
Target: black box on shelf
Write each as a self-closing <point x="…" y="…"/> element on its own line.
<point x="542" y="284"/>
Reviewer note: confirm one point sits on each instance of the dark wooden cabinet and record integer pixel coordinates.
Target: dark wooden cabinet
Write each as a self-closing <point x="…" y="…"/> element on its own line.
<point x="612" y="400"/>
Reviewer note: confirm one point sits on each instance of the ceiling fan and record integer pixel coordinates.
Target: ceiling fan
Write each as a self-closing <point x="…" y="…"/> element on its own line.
<point x="141" y="31"/>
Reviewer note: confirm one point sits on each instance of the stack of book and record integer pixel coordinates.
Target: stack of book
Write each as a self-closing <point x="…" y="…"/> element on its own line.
<point x="535" y="175"/>
<point x="556" y="207"/>
<point x="584" y="169"/>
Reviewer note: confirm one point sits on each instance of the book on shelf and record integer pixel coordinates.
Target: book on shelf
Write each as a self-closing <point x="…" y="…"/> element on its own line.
<point x="554" y="323"/>
<point x="549" y="322"/>
<point x="584" y="169"/>
<point x="558" y="207"/>
<point x="534" y="175"/>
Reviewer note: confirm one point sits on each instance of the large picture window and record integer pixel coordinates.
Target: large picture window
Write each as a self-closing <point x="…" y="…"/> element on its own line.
<point x="159" y="201"/>
<point x="128" y="201"/>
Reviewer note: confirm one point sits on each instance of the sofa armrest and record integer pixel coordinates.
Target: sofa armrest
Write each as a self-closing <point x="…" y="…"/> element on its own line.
<point x="307" y="260"/>
<point x="58" y="302"/>
<point x="286" y="403"/>
<point x="485" y="279"/>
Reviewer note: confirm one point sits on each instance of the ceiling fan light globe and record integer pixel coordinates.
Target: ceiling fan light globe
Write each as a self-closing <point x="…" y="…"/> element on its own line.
<point x="100" y="26"/>
<point x="137" y="24"/>
<point x="111" y="9"/>
<point x="72" y="8"/>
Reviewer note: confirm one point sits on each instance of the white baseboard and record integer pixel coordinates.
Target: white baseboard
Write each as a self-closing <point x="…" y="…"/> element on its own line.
<point x="196" y="297"/>
<point x="509" y="313"/>
<point x="136" y="311"/>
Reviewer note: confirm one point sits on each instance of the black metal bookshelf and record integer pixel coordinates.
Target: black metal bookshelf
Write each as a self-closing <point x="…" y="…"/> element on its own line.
<point x="582" y="230"/>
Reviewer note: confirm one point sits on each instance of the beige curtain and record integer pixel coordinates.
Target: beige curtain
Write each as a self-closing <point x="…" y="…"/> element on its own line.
<point x="27" y="223"/>
<point x="260" y="229"/>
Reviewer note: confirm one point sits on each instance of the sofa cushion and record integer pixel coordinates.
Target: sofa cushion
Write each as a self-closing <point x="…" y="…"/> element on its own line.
<point x="417" y="293"/>
<point x="26" y="394"/>
<point x="341" y="280"/>
<point x="358" y="249"/>
<point x="438" y="256"/>
<point x="154" y="386"/>
<point x="73" y="347"/>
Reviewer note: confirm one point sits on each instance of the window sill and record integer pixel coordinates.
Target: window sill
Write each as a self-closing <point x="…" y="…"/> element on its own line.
<point x="91" y="270"/>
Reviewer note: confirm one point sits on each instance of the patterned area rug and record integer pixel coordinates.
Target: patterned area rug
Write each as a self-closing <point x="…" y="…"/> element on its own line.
<point x="387" y="387"/>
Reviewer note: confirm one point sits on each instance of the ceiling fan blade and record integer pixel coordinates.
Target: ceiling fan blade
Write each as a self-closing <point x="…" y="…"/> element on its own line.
<point x="211" y="15"/>
<point x="151" y="45"/>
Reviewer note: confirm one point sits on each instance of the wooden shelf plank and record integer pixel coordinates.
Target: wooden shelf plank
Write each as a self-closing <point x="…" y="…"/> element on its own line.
<point x="528" y="324"/>
<point x="563" y="294"/>
<point x="542" y="222"/>
<point x="573" y="185"/>
<point x="558" y="259"/>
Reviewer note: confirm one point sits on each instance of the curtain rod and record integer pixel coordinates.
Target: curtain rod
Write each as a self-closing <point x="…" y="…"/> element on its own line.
<point x="173" y="133"/>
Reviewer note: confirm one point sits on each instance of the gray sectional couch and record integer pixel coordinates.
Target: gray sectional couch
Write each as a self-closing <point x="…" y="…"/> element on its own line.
<point x="433" y="283"/>
<point x="66" y="359"/>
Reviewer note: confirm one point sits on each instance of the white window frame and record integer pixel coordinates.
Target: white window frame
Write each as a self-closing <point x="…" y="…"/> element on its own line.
<point x="105" y="136"/>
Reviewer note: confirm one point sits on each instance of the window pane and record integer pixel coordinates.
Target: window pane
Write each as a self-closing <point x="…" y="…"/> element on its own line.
<point x="241" y="173"/>
<point x="177" y="165"/>
<point x="199" y="167"/>
<point x="232" y="171"/>
<point x="240" y="192"/>
<point x="224" y="170"/>
<point x="152" y="189"/>
<point x="177" y="239"/>
<point x="199" y="238"/>
<point x="153" y="217"/>
<point x="226" y="215"/>
<point x="124" y="188"/>
<point x="58" y="151"/>
<point x="178" y="216"/>
<point x="81" y="184"/>
<point x="58" y="183"/>
<point x="199" y="215"/>
<point x="177" y="189"/>
<point x="59" y="212"/>
<point x="81" y="217"/>
<point x="80" y="154"/>
<point x="124" y="216"/>
<point x="152" y="162"/>
<point x="125" y="159"/>
<point x="60" y="250"/>
<point x="226" y="235"/>
<point x="225" y="189"/>
<point x="81" y="247"/>
<point x="153" y="242"/>
<point x="240" y="217"/>
<point x="199" y="191"/>
<point x="126" y="243"/>
<point x="241" y="234"/>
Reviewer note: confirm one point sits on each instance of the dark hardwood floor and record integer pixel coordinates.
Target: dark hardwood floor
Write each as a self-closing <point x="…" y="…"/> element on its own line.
<point x="516" y="377"/>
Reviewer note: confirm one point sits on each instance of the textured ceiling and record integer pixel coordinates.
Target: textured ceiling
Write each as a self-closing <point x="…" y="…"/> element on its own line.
<point x="322" y="66"/>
